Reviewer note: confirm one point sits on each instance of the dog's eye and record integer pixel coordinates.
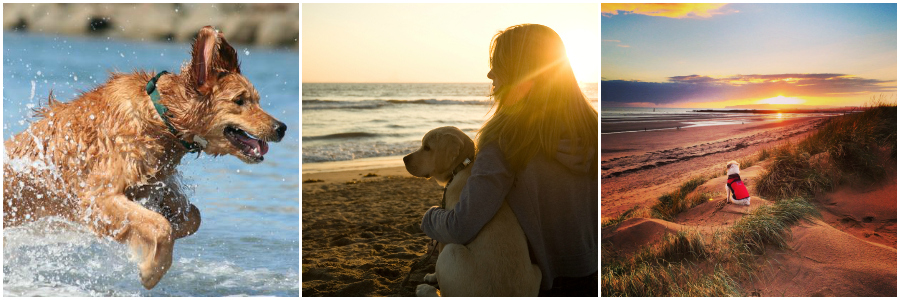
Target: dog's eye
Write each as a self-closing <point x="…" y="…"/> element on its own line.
<point x="427" y="148"/>
<point x="239" y="101"/>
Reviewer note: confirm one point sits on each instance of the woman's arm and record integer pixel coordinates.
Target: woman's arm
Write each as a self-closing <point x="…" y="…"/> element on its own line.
<point x="479" y="201"/>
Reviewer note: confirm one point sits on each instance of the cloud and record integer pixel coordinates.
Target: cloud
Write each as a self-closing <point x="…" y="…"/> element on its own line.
<point x="669" y="10"/>
<point x="697" y="88"/>
<point x="618" y="43"/>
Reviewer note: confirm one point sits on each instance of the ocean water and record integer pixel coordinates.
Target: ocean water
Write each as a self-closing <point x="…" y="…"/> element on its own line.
<point x="248" y="243"/>
<point x="625" y="119"/>
<point x="353" y="121"/>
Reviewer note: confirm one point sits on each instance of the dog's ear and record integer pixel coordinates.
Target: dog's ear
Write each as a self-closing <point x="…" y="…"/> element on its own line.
<point x="452" y="146"/>
<point x="211" y="54"/>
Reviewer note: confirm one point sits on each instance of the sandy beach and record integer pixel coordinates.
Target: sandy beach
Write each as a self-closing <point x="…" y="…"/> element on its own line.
<point x="849" y="251"/>
<point x="637" y="167"/>
<point x="361" y="233"/>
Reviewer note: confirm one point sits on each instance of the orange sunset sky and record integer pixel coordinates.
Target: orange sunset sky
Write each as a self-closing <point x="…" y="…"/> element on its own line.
<point x="445" y="42"/>
<point x="744" y="55"/>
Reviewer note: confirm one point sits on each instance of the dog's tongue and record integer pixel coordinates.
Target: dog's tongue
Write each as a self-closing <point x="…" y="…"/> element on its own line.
<point x="260" y="146"/>
<point x="263" y="147"/>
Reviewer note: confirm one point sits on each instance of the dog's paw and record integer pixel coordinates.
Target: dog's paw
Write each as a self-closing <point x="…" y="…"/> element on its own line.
<point x="430" y="278"/>
<point x="149" y="277"/>
<point x="426" y="290"/>
<point x="156" y="250"/>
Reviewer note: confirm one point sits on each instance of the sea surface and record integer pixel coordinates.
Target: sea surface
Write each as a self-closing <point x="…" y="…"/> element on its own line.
<point x="365" y="121"/>
<point x="248" y="243"/>
<point x="615" y="120"/>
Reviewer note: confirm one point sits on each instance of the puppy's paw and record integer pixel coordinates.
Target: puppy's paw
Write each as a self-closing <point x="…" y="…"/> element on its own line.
<point x="426" y="290"/>
<point x="431" y="278"/>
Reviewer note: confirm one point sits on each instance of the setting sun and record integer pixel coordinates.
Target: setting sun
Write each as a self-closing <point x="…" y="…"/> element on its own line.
<point x="583" y="49"/>
<point x="781" y="100"/>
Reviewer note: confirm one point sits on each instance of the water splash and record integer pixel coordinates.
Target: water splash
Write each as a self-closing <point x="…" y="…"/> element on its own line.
<point x="55" y="257"/>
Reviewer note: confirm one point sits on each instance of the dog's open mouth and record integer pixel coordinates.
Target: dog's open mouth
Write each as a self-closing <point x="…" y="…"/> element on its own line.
<point x="251" y="146"/>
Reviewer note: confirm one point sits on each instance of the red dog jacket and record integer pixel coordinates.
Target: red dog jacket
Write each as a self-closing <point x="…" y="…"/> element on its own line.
<point x="738" y="190"/>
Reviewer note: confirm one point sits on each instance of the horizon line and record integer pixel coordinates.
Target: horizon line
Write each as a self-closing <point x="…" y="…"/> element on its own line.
<point x="409" y="82"/>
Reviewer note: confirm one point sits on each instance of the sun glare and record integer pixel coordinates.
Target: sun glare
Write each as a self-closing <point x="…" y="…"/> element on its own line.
<point x="781" y="100"/>
<point x="583" y="49"/>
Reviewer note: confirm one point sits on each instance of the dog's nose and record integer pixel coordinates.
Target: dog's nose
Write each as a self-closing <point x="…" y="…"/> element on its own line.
<point x="279" y="128"/>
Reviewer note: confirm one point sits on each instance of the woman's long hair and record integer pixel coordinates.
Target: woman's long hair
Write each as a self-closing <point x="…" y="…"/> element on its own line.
<point x="539" y="101"/>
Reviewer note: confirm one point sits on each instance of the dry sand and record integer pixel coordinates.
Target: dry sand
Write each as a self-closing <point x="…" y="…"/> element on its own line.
<point x="850" y="252"/>
<point x="361" y="234"/>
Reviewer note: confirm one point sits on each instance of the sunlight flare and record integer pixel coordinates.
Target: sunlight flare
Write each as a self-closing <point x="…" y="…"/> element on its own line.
<point x="582" y="48"/>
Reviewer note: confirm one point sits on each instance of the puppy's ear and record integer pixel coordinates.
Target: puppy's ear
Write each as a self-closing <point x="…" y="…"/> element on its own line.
<point x="211" y="55"/>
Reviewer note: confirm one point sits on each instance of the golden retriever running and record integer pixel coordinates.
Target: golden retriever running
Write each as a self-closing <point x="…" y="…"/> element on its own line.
<point x="107" y="159"/>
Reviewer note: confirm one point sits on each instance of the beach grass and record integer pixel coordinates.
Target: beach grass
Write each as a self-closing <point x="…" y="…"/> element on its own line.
<point x="628" y="214"/>
<point x="670" y="267"/>
<point x="671" y="204"/>
<point x="854" y="149"/>
<point x="769" y="224"/>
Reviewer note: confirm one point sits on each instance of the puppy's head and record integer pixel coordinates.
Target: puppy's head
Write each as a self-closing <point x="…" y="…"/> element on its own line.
<point x="227" y="112"/>
<point x="442" y="150"/>
<point x="733" y="167"/>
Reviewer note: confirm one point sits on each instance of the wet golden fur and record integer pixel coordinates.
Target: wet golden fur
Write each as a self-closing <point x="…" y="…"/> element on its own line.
<point x="92" y="159"/>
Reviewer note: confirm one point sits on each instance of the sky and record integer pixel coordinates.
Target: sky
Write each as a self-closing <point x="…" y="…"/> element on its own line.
<point x="730" y="55"/>
<point x="433" y="42"/>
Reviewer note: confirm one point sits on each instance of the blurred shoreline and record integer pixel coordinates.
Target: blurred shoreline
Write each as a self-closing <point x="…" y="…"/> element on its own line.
<point x="274" y="25"/>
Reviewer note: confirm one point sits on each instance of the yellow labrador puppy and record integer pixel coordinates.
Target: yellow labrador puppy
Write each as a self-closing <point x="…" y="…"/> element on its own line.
<point x="496" y="262"/>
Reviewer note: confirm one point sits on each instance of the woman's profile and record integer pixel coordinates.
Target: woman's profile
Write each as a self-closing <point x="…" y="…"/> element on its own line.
<point x="538" y="152"/>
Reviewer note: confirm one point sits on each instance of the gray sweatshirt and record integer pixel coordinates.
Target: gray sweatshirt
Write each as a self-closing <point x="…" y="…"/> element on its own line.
<point x="555" y="201"/>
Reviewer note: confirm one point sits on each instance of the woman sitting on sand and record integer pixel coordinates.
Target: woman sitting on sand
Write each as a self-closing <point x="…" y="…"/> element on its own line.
<point x="538" y="151"/>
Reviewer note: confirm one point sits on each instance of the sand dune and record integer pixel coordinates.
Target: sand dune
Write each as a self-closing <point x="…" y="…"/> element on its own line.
<point x="634" y="234"/>
<point x="864" y="214"/>
<point x="824" y="261"/>
<point x="853" y="258"/>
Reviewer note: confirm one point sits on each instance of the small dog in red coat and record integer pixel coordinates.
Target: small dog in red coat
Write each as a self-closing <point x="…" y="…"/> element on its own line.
<point x="734" y="187"/>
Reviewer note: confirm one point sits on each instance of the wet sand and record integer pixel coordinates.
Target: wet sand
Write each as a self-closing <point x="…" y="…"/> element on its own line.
<point x="611" y="125"/>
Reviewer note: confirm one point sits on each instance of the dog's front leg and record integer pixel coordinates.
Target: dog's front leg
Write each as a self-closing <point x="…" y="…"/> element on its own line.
<point x="728" y="194"/>
<point x="146" y="232"/>
<point x="184" y="216"/>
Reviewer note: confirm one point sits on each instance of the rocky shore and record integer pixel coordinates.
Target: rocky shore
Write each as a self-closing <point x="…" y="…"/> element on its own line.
<point x="268" y="25"/>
